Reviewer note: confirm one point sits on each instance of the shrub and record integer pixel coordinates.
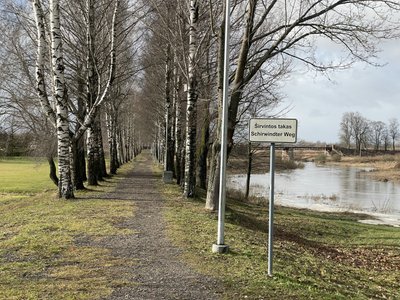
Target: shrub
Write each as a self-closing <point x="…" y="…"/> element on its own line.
<point x="289" y="165"/>
<point x="336" y="157"/>
<point x="320" y="159"/>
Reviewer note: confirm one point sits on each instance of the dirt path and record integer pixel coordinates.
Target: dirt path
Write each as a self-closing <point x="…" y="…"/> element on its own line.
<point x="158" y="271"/>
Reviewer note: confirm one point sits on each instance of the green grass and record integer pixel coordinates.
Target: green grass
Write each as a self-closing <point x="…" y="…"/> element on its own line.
<point x="51" y="248"/>
<point x="24" y="175"/>
<point x="317" y="255"/>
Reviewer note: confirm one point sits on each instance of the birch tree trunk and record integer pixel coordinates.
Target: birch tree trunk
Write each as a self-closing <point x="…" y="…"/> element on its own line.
<point x="120" y="147"/>
<point x="40" y="80"/>
<point x="169" y="147"/>
<point x="79" y="174"/>
<point x="63" y="137"/>
<point x="92" y="83"/>
<point x="112" y="138"/>
<point x="92" y="156"/>
<point x="100" y="149"/>
<point x="40" y="61"/>
<point x="53" y="170"/>
<point x="192" y="95"/>
<point x="178" y="129"/>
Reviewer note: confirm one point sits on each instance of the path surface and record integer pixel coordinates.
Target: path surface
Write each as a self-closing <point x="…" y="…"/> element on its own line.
<point x="158" y="271"/>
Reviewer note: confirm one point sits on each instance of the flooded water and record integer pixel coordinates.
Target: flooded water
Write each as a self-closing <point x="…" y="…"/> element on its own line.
<point x="326" y="188"/>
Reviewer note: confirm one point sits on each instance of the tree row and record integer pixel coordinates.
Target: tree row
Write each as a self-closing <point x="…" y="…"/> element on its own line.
<point x="359" y="132"/>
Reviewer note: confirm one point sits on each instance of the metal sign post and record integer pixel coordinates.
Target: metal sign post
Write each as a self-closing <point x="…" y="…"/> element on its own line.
<point x="272" y="131"/>
<point x="271" y="208"/>
<point x="220" y="246"/>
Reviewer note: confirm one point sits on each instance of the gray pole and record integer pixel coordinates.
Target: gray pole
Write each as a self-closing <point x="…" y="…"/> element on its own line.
<point x="271" y="208"/>
<point x="220" y="247"/>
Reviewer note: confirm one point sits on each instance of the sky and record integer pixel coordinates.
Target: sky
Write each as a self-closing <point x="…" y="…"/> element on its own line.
<point x="319" y="103"/>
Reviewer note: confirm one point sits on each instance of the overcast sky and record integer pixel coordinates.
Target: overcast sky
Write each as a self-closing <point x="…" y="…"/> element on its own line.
<point x="319" y="103"/>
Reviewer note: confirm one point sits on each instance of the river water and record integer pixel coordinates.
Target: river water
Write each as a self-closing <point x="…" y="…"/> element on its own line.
<point x="328" y="188"/>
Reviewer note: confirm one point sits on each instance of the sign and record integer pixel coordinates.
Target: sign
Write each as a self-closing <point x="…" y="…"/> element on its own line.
<point x="269" y="130"/>
<point x="272" y="131"/>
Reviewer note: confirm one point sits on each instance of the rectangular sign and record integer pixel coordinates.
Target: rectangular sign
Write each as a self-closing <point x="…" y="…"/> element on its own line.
<point x="270" y="130"/>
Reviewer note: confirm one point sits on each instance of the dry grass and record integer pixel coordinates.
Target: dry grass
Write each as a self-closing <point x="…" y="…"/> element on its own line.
<point x="382" y="167"/>
<point x="238" y="163"/>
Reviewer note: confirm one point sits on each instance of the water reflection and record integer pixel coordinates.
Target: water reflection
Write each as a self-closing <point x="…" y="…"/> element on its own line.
<point x="326" y="188"/>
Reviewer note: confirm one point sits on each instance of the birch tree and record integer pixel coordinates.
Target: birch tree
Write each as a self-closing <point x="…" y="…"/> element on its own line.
<point x="169" y="146"/>
<point x="18" y="96"/>
<point x="178" y="140"/>
<point x="60" y="95"/>
<point x="31" y="84"/>
<point x="192" y="95"/>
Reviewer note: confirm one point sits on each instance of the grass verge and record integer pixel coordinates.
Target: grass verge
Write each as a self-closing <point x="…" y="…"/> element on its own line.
<point x="51" y="248"/>
<point x="317" y="255"/>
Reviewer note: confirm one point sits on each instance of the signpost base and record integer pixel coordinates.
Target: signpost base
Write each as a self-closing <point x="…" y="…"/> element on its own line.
<point x="168" y="177"/>
<point x="220" y="248"/>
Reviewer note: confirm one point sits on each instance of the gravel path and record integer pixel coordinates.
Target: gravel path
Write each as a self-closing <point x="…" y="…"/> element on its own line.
<point x="158" y="271"/>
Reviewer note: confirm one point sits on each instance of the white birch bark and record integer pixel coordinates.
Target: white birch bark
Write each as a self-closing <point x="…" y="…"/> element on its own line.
<point x="63" y="148"/>
<point x="178" y="129"/>
<point x="112" y="137"/>
<point x="169" y="147"/>
<point x="192" y="95"/>
<point x="40" y="61"/>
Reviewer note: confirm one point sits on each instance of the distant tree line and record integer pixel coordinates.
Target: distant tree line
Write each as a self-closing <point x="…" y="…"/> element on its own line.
<point x="13" y="143"/>
<point x="359" y="133"/>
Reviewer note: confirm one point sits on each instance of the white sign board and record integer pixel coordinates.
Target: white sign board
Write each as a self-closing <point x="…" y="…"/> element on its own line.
<point x="273" y="130"/>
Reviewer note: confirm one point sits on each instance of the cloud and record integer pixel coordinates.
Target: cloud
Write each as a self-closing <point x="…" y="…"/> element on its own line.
<point x="319" y="103"/>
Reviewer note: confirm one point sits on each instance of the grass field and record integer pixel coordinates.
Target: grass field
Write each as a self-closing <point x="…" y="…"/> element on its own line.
<point x="24" y="175"/>
<point x="317" y="255"/>
<point x="45" y="248"/>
